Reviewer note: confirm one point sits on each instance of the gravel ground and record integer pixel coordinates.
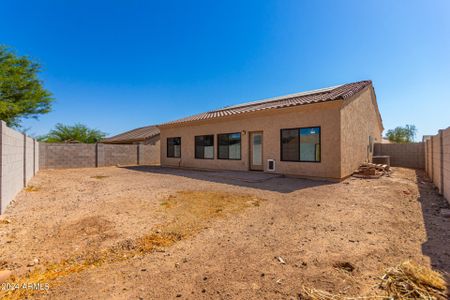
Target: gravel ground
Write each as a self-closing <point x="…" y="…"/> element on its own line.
<point x="313" y="226"/>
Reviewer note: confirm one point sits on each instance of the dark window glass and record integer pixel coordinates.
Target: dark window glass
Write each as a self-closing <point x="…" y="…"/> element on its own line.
<point x="229" y="146"/>
<point x="300" y="144"/>
<point x="290" y="145"/>
<point x="174" y="147"/>
<point x="204" y="146"/>
<point x="223" y="142"/>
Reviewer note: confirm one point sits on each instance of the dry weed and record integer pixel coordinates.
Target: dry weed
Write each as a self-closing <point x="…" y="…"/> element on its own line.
<point x="411" y="281"/>
<point x="405" y="281"/>
<point x="315" y="294"/>
<point x="32" y="188"/>
<point x="189" y="212"/>
<point x="99" y="177"/>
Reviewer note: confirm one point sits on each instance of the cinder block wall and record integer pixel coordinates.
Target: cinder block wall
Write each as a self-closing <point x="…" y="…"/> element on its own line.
<point x="149" y="154"/>
<point x="36" y="156"/>
<point x="29" y="158"/>
<point x="63" y="156"/>
<point x="18" y="163"/>
<point x="120" y="154"/>
<point x="438" y="157"/>
<point x="403" y="155"/>
<point x="428" y="158"/>
<point x="446" y="163"/>
<point x="436" y="165"/>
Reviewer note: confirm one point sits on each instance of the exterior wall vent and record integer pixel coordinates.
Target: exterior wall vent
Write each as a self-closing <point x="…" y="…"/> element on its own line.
<point x="271" y="165"/>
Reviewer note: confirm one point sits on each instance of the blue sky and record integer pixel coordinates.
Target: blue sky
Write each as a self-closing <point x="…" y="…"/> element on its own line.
<point x="117" y="65"/>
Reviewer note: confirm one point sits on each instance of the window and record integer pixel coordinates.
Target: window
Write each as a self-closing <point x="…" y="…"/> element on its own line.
<point x="174" y="147"/>
<point x="310" y="144"/>
<point x="229" y="146"/>
<point x="204" y="146"/>
<point x="300" y="144"/>
<point x="290" y="145"/>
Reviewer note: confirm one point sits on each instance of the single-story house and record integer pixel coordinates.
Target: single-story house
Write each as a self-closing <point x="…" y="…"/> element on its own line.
<point x="143" y="135"/>
<point x="323" y="133"/>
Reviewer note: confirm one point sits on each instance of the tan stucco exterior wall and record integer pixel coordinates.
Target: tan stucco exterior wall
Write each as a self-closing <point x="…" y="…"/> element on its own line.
<point x="359" y="120"/>
<point x="325" y="115"/>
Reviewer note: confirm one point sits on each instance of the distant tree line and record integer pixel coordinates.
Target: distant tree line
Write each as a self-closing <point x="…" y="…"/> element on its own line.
<point x="72" y="133"/>
<point x="402" y="135"/>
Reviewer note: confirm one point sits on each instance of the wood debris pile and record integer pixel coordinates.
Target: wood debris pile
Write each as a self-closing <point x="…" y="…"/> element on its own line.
<point x="370" y="170"/>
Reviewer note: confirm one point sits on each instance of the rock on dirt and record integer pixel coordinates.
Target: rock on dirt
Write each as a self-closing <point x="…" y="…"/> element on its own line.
<point x="445" y="213"/>
<point x="281" y="260"/>
<point x="4" y="221"/>
<point x="33" y="263"/>
<point x="4" y="275"/>
<point x="345" y="266"/>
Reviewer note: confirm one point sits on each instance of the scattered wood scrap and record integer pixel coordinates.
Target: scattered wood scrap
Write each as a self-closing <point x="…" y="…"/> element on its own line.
<point x="371" y="171"/>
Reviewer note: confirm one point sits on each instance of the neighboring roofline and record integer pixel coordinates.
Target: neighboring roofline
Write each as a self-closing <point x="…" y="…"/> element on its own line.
<point x="129" y="141"/>
<point x="131" y="130"/>
<point x="115" y="139"/>
<point x="426" y="137"/>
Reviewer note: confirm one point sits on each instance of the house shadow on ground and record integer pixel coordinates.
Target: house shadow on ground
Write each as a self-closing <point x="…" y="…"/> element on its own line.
<point x="257" y="180"/>
<point x="437" y="246"/>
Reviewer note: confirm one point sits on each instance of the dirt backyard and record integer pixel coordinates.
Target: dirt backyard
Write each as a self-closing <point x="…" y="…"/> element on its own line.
<point x="156" y="233"/>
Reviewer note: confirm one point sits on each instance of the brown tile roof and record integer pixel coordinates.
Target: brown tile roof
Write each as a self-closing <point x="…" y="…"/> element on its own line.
<point x="327" y="94"/>
<point x="132" y="136"/>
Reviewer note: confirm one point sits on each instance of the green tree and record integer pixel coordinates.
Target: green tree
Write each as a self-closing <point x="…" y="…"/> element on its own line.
<point x="402" y="135"/>
<point x="22" y="94"/>
<point x="72" y="133"/>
